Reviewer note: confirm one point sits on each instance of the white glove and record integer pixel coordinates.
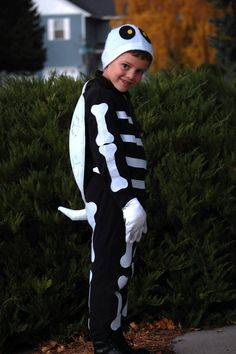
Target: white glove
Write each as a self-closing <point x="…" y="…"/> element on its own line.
<point x="74" y="215"/>
<point x="135" y="220"/>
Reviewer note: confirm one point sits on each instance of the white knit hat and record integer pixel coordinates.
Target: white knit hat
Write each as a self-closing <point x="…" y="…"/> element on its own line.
<point x="122" y="39"/>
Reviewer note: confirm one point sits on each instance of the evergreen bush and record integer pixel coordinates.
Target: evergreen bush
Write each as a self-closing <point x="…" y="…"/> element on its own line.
<point x="43" y="256"/>
<point x="186" y="264"/>
<point x="189" y="124"/>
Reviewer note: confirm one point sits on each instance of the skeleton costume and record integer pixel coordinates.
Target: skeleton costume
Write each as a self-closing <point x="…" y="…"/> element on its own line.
<point x="109" y="166"/>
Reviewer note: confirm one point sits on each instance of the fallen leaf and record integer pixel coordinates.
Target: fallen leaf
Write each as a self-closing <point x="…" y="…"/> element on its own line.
<point x="134" y="326"/>
<point x="164" y="323"/>
<point x="152" y="336"/>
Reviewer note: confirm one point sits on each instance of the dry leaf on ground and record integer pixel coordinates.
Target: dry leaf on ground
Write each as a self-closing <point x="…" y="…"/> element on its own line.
<point x="157" y="337"/>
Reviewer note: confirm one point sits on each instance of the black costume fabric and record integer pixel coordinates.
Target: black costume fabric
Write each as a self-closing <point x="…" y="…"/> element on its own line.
<point x="114" y="173"/>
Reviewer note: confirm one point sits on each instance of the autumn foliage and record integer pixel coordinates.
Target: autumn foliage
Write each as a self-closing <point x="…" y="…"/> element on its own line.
<point x="179" y="29"/>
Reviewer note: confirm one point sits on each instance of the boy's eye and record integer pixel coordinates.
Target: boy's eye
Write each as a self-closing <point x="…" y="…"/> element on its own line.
<point x="125" y="66"/>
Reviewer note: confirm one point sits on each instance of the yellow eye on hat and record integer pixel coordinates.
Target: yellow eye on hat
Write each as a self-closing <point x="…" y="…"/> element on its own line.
<point x="144" y="34"/>
<point x="127" y="32"/>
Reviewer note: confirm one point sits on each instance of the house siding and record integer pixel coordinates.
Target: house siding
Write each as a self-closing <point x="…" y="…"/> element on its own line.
<point x="82" y="51"/>
<point x="96" y="37"/>
<point x="64" y="56"/>
<point x="64" y="52"/>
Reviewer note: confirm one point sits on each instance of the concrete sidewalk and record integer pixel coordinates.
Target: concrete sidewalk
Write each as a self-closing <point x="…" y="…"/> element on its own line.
<point x="215" y="341"/>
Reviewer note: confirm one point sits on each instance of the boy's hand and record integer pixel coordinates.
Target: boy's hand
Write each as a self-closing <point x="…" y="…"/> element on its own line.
<point x="75" y="215"/>
<point x="135" y="220"/>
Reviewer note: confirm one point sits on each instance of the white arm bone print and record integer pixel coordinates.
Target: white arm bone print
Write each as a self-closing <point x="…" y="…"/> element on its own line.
<point x="107" y="148"/>
<point x="103" y="137"/>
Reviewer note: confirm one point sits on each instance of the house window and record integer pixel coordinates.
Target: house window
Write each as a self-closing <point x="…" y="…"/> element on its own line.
<point x="58" y="29"/>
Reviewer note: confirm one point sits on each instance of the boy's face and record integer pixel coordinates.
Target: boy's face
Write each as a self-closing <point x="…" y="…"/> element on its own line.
<point x="126" y="71"/>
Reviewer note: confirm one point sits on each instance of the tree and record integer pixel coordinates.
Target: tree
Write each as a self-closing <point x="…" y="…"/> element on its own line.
<point x="179" y="29"/>
<point x="225" y="39"/>
<point x="21" y="37"/>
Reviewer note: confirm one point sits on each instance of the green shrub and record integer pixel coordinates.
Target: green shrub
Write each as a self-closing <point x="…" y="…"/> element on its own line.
<point x="189" y="123"/>
<point x="43" y="256"/>
<point x="186" y="263"/>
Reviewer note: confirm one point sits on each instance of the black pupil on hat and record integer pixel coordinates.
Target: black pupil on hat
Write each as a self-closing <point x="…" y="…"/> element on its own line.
<point x="144" y="35"/>
<point x="127" y="32"/>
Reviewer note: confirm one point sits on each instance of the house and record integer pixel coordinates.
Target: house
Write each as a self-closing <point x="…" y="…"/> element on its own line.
<point x="75" y="33"/>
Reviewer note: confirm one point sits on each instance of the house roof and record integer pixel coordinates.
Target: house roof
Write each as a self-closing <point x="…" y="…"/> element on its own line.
<point x="98" y="8"/>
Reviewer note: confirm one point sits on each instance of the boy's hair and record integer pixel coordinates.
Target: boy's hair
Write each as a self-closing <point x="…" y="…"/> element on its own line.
<point x="142" y="54"/>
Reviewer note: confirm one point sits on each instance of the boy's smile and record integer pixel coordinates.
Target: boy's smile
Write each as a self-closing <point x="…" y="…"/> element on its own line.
<point x="126" y="71"/>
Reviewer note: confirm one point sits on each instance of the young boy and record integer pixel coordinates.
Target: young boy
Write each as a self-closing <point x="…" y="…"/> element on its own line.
<point x="109" y="166"/>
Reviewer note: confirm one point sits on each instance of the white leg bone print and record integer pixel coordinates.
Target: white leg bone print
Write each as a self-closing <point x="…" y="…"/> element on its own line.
<point x="126" y="259"/>
<point x="103" y="137"/>
<point x="125" y="310"/>
<point x="117" y="182"/>
<point x="91" y="209"/>
<point x="117" y="321"/>
<point x="89" y="295"/>
<point x="122" y="281"/>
